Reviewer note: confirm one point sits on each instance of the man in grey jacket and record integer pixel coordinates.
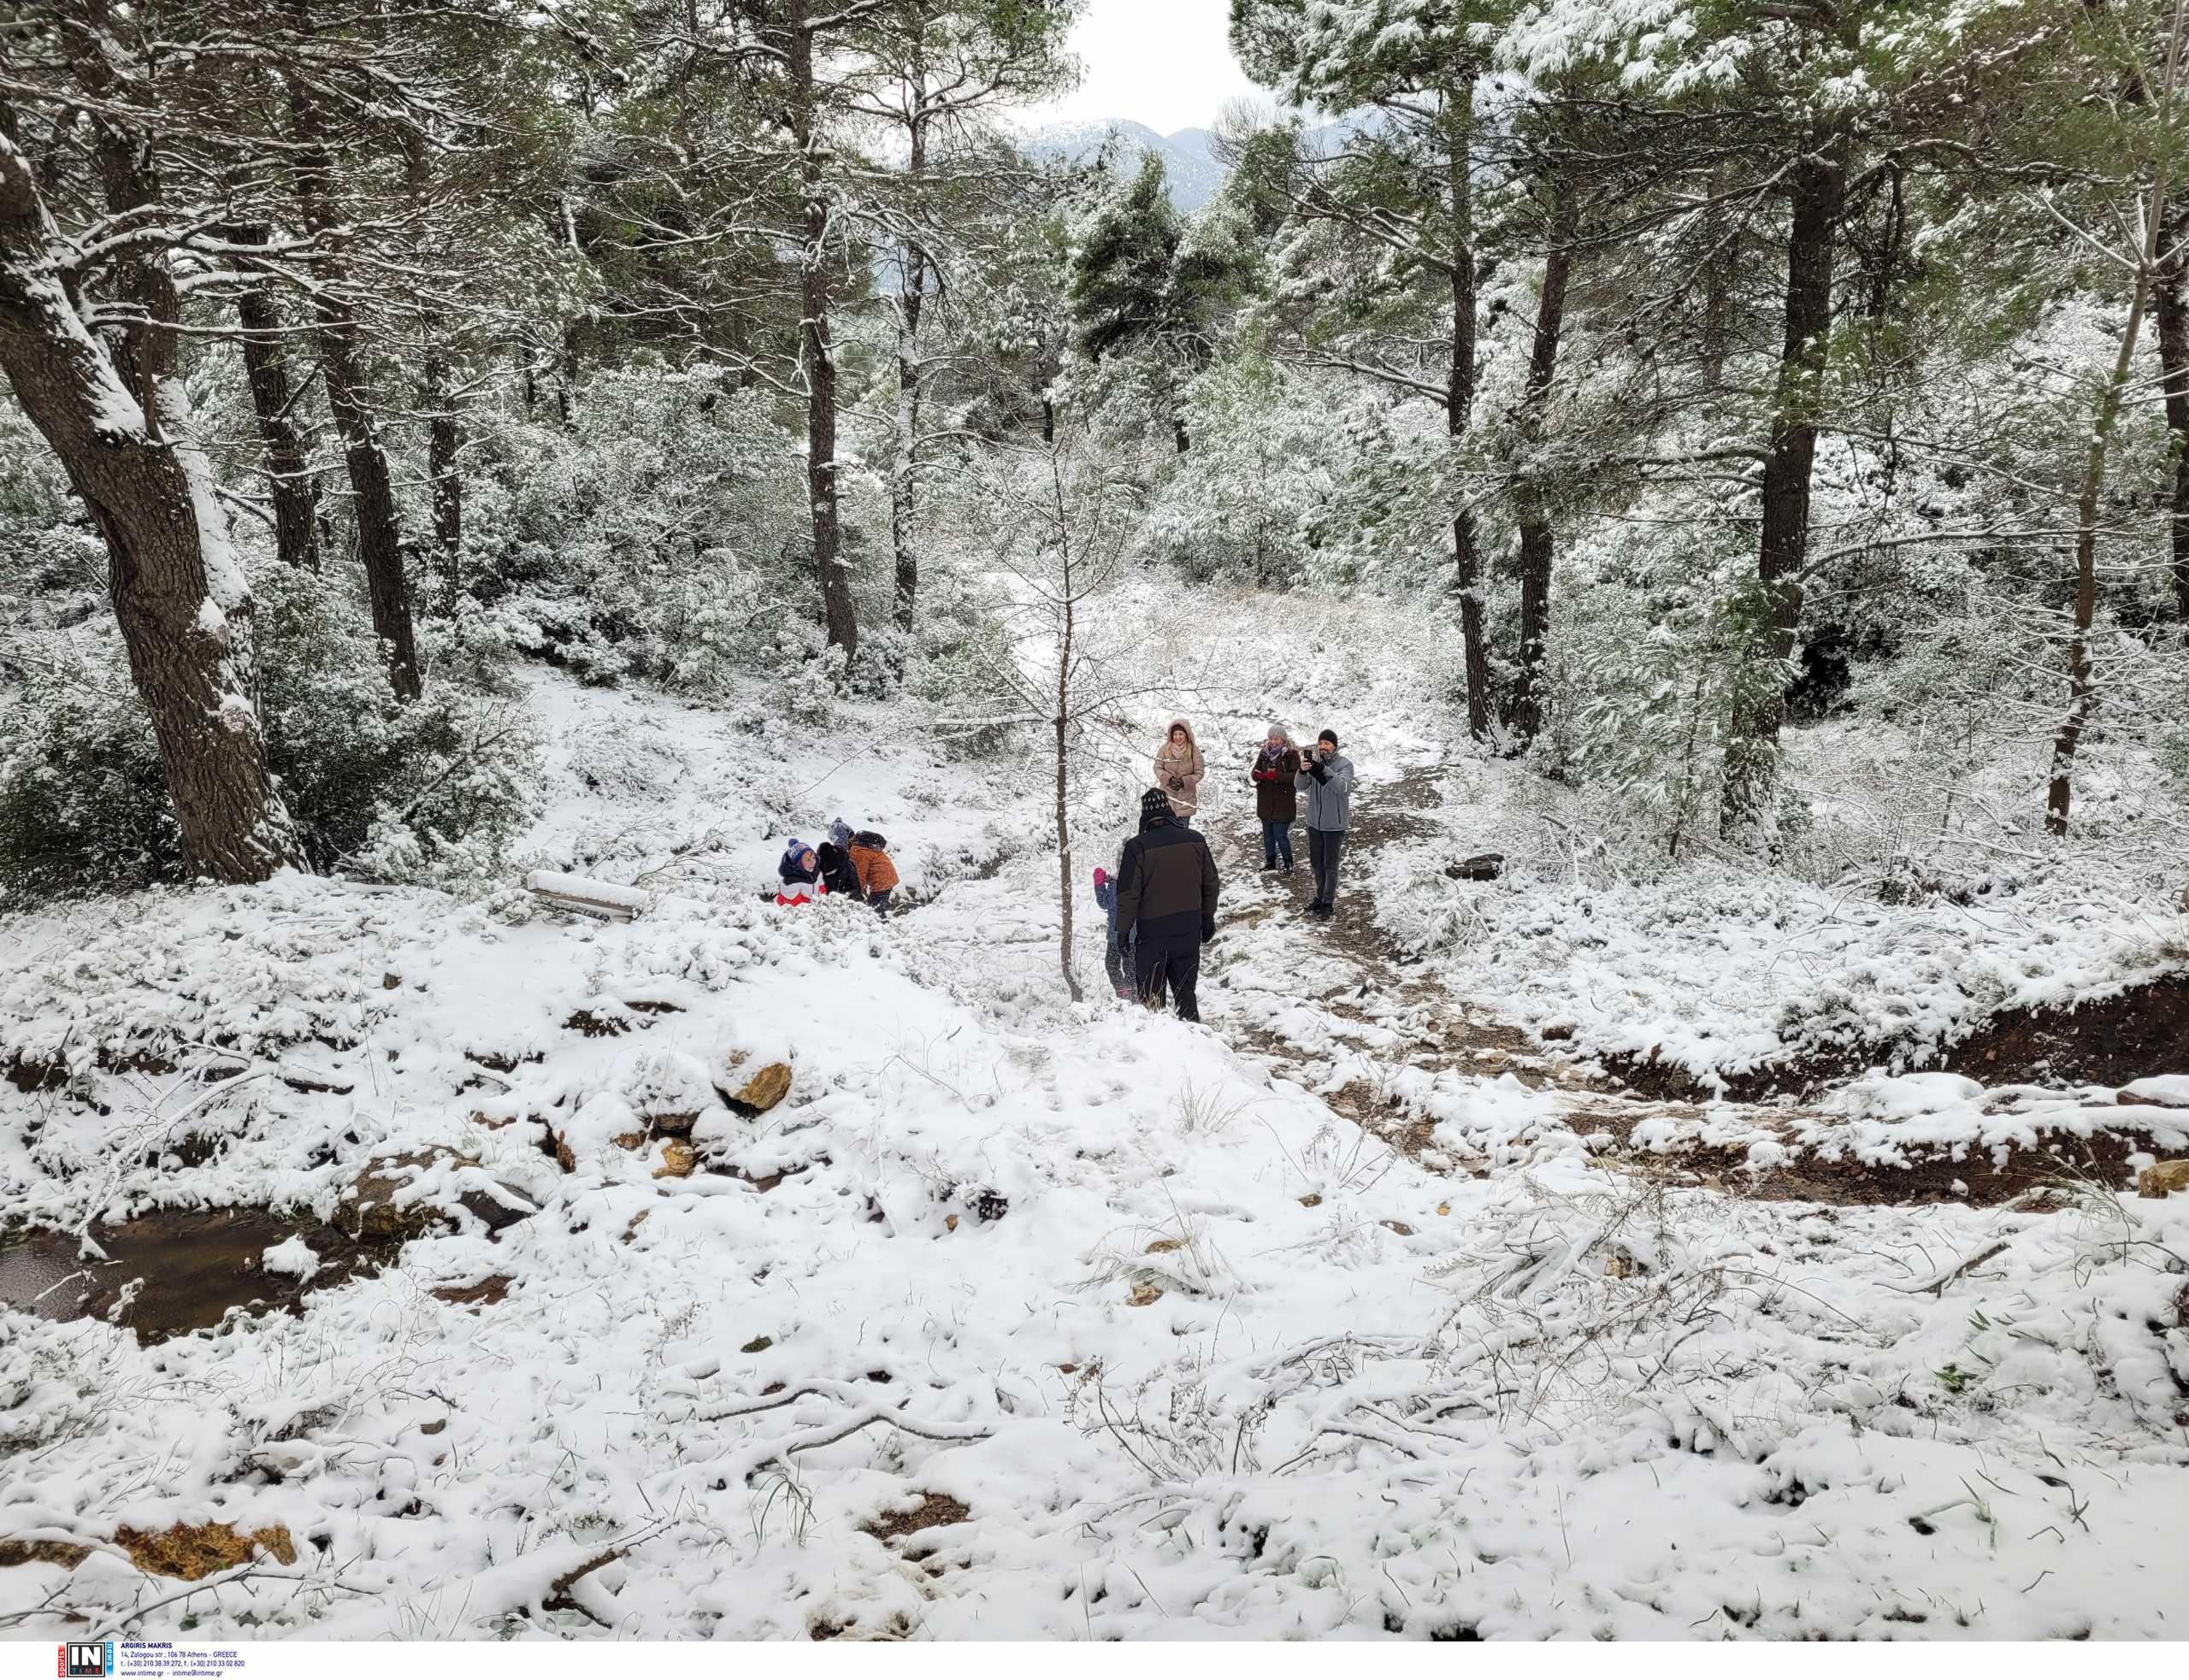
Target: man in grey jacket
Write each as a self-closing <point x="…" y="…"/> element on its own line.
<point x="1326" y="784"/>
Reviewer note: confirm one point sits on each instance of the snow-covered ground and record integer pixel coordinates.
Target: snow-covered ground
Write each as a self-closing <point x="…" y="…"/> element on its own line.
<point x="1193" y="1353"/>
<point x="1721" y="967"/>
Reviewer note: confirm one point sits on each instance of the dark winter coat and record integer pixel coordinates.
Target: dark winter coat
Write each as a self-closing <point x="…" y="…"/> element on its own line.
<point x="1167" y="884"/>
<point x="1276" y="800"/>
<point x="837" y="872"/>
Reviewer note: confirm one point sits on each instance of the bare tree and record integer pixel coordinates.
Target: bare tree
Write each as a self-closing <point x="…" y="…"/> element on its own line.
<point x="1063" y="514"/>
<point x="2145" y="262"/>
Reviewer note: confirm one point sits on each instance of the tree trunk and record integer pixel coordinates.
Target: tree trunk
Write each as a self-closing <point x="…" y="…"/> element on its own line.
<point x="911" y="294"/>
<point x="436" y="394"/>
<point x="566" y="378"/>
<point x="2082" y="691"/>
<point x="350" y="398"/>
<point x="817" y="353"/>
<point x="1819" y="189"/>
<point x="181" y="597"/>
<point x="1459" y="396"/>
<point x="1064" y="652"/>
<point x="1536" y="540"/>
<point x="273" y="401"/>
<point x="444" y="437"/>
<point x="2171" y="301"/>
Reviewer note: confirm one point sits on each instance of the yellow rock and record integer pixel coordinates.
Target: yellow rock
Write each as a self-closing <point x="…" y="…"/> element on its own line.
<point x="2163" y="1179"/>
<point x="1143" y="1295"/>
<point x="1169" y="1245"/>
<point x="758" y="1091"/>
<point x="1443" y="1207"/>
<point x="678" y="1157"/>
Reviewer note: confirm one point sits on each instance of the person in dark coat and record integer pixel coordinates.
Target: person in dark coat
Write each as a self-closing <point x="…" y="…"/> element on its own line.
<point x="1166" y="904"/>
<point x="837" y="871"/>
<point x="1276" y="802"/>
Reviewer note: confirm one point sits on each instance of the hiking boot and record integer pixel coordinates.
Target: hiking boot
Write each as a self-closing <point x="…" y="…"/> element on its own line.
<point x="1269" y="868"/>
<point x="1288" y="869"/>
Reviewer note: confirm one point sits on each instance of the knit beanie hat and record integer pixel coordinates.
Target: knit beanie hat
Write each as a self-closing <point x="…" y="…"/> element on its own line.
<point x="1330" y="735"/>
<point x="1155" y="802"/>
<point x="841" y="832"/>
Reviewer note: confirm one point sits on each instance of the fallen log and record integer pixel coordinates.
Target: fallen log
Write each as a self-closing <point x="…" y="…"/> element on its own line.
<point x="603" y="900"/>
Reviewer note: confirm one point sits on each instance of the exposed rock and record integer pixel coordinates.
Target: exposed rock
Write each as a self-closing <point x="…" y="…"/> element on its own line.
<point x="2163" y="1179"/>
<point x="1143" y="1295"/>
<point x="759" y="1344"/>
<point x="754" y="1092"/>
<point x="1310" y="1201"/>
<point x="192" y="1551"/>
<point x="989" y="1206"/>
<point x="1399" y="1226"/>
<point x="1167" y="1245"/>
<point x="372" y="1211"/>
<point x="678" y="1157"/>
<point x="498" y="1207"/>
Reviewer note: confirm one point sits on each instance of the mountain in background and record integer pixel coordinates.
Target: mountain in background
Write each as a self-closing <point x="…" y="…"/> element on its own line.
<point x="1195" y="173"/>
<point x="1189" y="161"/>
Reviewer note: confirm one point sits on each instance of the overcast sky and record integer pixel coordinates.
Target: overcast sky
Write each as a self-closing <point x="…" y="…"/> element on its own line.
<point x="1163" y="62"/>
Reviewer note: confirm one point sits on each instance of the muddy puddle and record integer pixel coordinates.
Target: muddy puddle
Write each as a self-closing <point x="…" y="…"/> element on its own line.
<point x="187" y="1269"/>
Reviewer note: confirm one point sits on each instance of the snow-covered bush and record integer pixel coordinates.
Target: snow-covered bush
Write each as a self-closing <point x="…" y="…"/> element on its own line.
<point x="84" y="804"/>
<point x="664" y="538"/>
<point x="433" y="791"/>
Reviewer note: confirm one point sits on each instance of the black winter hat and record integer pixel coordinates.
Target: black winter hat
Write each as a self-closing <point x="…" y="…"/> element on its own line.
<point x="1155" y="802"/>
<point x="1330" y="735"/>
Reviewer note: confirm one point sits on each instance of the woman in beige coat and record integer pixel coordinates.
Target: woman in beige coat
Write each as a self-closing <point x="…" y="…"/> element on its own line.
<point x="1179" y="768"/>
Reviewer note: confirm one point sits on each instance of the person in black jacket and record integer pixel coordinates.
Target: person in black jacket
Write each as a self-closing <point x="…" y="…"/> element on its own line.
<point x="836" y="870"/>
<point x="1166" y="904"/>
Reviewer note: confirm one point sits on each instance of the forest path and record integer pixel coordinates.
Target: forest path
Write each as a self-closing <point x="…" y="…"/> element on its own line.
<point x="1338" y="1008"/>
<point x="1273" y="969"/>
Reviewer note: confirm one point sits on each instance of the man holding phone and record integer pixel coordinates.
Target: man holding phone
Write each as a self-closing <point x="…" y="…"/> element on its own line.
<point x="1325" y="782"/>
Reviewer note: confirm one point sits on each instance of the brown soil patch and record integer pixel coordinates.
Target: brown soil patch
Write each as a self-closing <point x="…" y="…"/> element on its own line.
<point x="192" y="1551"/>
<point x="2144" y="1031"/>
<point x="486" y="1292"/>
<point x="2057" y="1161"/>
<point x="934" y="1510"/>
<point x="31" y="1077"/>
<point x="15" y="1552"/>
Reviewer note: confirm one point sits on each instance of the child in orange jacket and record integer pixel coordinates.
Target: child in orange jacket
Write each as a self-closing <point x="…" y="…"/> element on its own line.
<point x="877" y="876"/>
